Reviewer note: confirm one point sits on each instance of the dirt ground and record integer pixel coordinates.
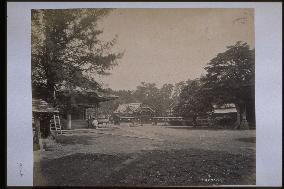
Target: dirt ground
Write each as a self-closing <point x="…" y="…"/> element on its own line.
<point x="147" y="156"/>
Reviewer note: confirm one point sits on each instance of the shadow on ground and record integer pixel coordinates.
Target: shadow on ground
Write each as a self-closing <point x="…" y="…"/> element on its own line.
<point x="249" y="140"/>
<point x="193" y="167"/>
<point x="67" y="140"/>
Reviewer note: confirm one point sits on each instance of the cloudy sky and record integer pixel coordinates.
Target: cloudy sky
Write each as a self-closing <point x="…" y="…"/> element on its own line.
<point x="171" y="45"/>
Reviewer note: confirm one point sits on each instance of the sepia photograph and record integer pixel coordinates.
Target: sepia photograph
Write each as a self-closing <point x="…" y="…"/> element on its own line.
<point x="143" y="96"/>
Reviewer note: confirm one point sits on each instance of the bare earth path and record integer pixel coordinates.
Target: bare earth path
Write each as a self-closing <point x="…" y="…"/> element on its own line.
<point x="148" y="156"/>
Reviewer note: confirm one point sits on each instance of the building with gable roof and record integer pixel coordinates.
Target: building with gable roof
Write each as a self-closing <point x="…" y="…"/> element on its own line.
<point x="134" y="112"/>
<point x="84" y="104"/>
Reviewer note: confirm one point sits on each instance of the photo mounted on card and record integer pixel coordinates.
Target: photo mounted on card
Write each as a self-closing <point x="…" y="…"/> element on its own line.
<point x="143" y="97"/>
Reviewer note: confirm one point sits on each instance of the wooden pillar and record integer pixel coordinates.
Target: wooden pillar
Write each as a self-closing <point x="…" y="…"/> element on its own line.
<point x="238" y="121"/>
<point x="72" y="102"/>
<point x="37" y="132"/>
<point x="97" y="110"/>
<point x="244" y="123"/>
<point x="84" y="113"/>
<point x="69" y="121"/>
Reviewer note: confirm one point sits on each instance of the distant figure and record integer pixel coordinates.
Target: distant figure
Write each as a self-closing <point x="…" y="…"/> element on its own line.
<point x="89" y="120"/>
<point x="194" y="121"/>
<point x="95" y="123"/>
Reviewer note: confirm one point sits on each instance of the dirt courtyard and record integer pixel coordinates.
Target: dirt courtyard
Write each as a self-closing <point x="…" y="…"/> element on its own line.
<point x="147" y="156"/>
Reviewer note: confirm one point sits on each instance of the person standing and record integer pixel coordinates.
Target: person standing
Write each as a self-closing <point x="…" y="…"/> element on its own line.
<point x="95" y="123"/>
<point x="89" y="120"/>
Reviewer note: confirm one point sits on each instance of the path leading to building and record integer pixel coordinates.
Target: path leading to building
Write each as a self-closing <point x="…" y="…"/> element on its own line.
<point x="147" y="155"/>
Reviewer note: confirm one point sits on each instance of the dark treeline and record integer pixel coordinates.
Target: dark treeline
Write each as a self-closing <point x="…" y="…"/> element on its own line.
<point x="159" y="98"/>
<point x="229" y="79"/>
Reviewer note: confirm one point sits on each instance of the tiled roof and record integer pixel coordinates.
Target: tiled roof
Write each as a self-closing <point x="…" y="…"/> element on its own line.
<point x="130" y="108"/>
<point x="223" y="111"/>
<point x="100" y="96"/>
<point x="225" y="108"/>
<point x="126" y="108"/>
<point x="39" y="105"/>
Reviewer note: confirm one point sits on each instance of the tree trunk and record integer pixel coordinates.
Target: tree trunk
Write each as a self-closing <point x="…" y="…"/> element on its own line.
<point x="38" y="133"/>
<point x="68" y="120"/>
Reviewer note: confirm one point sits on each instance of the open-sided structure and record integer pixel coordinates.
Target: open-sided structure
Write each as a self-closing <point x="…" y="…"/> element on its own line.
<point x="82" y="103"/>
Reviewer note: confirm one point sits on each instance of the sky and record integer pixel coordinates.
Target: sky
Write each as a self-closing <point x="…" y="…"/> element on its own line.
<point x="171" y="45"/>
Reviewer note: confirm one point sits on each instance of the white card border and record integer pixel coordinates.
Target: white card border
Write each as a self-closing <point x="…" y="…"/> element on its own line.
<point x="268" y="44"/>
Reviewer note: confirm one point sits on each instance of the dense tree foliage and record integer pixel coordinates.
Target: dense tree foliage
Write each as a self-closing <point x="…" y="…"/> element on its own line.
<point x="193" y="100"/>
<point x="178" y="87"/>
<point x="230" y="77"/>
<point x="66" y="50"/>
<point x="160" y="99"/>
<point x="124" y="96"/>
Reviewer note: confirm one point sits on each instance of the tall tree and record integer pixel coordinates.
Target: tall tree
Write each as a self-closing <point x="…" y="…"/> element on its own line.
<point x="193" y="100"/>
<point x="147" y="93"/>
<point x="165" y="98"/>
<point x="66" y="50"/>
<point x="178" y="87"/>
<point x="230" y="78"/>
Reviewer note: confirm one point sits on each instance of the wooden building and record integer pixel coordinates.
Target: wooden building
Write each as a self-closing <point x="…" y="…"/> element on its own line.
<point x="41" y="112"/>
<point x="134" y="112"/>
<point x="225" y="114"/>
<point x="84" y="103"/>
<point x="225" y="109"/>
